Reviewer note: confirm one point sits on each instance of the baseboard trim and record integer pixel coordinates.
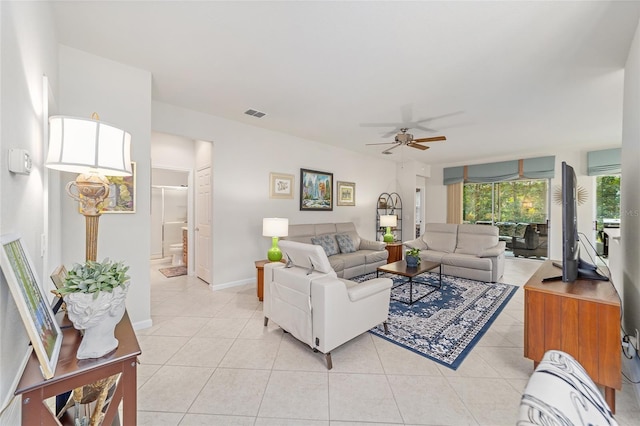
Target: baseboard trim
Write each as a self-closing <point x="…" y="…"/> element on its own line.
<point x="631" y="368"/>
<point x="140" y="325"/>
<point x="233" y="284"/>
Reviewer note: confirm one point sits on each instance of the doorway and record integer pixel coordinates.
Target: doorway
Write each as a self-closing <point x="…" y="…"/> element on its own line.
<point x="170" y="212"/>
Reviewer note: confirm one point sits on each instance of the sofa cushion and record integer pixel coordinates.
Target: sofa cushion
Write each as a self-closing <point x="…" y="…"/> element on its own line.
<point x="468" y="261"/>
<point x="441" y="236"/>
<point x="350" y="260"/>
<point x="346" y="244"/>
<point x="327" y="242"/>
<point x="374" y="256"/>
<point x="474" y="239"/>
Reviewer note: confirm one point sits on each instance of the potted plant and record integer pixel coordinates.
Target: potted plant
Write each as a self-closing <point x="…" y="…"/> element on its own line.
<point x="412" y="256"/>
<point x="95" y="294"/>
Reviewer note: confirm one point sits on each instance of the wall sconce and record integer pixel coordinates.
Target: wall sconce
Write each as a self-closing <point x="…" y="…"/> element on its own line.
<point x="275" y="227"/>
<point x="93" y="149"/>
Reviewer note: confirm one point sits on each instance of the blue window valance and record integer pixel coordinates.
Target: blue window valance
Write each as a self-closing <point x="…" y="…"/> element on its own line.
<point x="604" y="162"/>
<point x="529" y="168"/>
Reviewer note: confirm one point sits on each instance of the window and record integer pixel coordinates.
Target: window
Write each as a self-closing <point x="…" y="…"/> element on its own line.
<point x="607" y="207"/>
<point x="510" y="201"/>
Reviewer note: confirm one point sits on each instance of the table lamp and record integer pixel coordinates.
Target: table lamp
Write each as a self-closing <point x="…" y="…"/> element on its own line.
<point x="388" y="220"/>
<point x="93" y="149"/>
<point x="275" y="227"/>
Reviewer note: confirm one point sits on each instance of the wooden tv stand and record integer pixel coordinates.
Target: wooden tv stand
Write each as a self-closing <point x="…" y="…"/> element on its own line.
<point x="581" y="318"/>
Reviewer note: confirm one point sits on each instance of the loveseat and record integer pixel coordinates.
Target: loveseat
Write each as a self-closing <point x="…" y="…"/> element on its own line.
<point x="467" y="251"/>
<point x="306" y="298"/>
<point x="349" y="255"/>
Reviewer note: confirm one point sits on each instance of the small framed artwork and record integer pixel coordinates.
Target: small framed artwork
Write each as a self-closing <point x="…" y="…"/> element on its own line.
<point x="58" y="277"/>
<point x="280" y="185"/>
<point x="37" y="316"/>
<point x="122" y="193"/>
<point x="316" y="190"/>
<point x="346" y="193"/>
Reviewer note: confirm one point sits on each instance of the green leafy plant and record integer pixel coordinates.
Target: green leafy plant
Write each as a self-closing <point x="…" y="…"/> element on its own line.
<point x="94" y="277"/>
<point x="413" y="252"/>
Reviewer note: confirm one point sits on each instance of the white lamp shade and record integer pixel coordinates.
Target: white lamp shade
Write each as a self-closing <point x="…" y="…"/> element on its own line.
<point x="275" y="227"/>
<point x="389" y="220"/>
<point x="83" y="145"/>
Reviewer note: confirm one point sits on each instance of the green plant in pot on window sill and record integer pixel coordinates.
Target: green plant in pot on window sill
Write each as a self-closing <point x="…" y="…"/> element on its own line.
<point x="412" y="256"/>
<point x="95" y="295"/>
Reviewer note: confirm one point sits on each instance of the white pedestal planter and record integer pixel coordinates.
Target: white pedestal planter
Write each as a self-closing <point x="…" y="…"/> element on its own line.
<point x="98" y="318"/>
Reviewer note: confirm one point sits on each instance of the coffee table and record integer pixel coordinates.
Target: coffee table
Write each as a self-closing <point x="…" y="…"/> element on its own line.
<point x="400" y="268"/>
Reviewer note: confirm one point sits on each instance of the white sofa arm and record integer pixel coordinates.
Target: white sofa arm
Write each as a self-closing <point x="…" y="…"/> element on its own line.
<point x="494" y="251"/>
<point x="368" y="288"/>
<point x="417" y="243"/>
<point x="371" y="245"/>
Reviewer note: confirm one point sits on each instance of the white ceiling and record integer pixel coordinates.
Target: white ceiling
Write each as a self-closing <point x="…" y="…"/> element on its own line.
<point x="507" y="78"/>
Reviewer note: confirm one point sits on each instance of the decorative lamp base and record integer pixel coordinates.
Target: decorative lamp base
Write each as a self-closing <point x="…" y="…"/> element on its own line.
<point x="388" y="237"/>
<point x="274" y="254"/>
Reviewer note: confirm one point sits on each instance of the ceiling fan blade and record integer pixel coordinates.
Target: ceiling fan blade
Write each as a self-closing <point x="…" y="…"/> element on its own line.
<point x="387" y="151"/>
<point x="380" y="124"/>
<point x="381" y="143"/>
<point x="436" y="117"/>
<point x="433" y="139"/>
<point x="391" y="133"/>
<point x="422" y="147"/>
<point x="425" y="129"/>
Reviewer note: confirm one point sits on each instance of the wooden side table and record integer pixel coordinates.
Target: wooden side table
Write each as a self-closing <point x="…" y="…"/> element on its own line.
<point x="395" y="252"/>
<point x="260" y="278"/>
<point x="72" y="373"/>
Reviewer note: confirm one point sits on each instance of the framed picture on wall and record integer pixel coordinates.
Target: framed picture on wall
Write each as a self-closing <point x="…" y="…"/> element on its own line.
<point x="280" y="185"/>
<point x="346" y="193"/>
<point x="316" y="190"/>
<point x="122" y="193"/>
<point x="35" y="311"/>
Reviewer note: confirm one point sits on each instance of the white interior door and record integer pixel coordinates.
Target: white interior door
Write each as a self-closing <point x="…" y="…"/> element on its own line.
<point x="203" y="225"/>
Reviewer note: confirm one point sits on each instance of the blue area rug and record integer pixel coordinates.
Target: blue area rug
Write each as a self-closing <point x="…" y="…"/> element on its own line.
<point x="446" y="324"/>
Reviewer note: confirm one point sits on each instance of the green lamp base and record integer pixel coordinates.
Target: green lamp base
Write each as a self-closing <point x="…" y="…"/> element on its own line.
<point x="274" y="254"/>
<point x="388" y="237"/>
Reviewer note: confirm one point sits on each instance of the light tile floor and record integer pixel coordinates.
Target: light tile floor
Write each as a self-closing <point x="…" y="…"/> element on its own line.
<point x="208" y="360"/>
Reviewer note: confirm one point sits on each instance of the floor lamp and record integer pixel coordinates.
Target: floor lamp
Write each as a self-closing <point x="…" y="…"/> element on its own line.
<point x="95" y="150"/>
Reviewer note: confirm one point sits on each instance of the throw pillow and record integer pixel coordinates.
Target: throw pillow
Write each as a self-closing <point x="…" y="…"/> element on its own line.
<point x="346" y="243"/>
<point x="327" y="242"/>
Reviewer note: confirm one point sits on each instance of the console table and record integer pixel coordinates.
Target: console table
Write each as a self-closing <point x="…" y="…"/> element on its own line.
<point x="72" y="373"/>
<point x="581" y="318"/>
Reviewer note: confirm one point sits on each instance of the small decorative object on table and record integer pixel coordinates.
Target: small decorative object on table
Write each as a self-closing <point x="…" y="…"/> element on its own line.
<point x="95" y="294"/>
<point x="413" y="257"/>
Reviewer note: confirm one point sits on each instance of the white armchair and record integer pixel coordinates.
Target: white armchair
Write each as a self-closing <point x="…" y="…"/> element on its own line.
<point x="307" y="299"/>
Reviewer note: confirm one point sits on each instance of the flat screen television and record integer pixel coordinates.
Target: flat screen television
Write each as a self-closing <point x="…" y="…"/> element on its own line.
<point x="573" y="267"/>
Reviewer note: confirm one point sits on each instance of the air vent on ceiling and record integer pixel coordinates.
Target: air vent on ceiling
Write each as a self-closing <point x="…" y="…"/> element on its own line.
<point x="257" y="114"/>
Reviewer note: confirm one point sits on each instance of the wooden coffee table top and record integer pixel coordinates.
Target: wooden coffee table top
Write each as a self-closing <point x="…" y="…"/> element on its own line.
<point x="400" y="268"/>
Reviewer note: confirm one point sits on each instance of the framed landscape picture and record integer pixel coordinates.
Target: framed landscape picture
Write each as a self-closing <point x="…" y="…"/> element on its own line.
<point x="316" y="189"/>
<point x="280" y="185"/>
<point x="37" y="316"/>
<point x="346" y="193"/>
<point x="122" y="193"/>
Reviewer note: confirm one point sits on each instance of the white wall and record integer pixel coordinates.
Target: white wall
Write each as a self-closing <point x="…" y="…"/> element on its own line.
<point x="629" y="198"/>
<point x="121" y="95"/>
<point x="28" y="46"/>
<point x="243" y="157"/>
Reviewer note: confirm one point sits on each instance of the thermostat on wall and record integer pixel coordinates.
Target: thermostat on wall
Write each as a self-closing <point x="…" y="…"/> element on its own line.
<point x="19" y="161"/>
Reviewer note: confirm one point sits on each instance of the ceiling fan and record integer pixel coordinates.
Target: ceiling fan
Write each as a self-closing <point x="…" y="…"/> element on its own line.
<point x="404" y="138"/>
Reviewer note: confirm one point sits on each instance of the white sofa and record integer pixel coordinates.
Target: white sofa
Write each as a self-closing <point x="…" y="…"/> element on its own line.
<point x="349" y="254"/>
<point x="306" y="298"/>
<point x="467" y="251"/>
<point x="560" y="392"/>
